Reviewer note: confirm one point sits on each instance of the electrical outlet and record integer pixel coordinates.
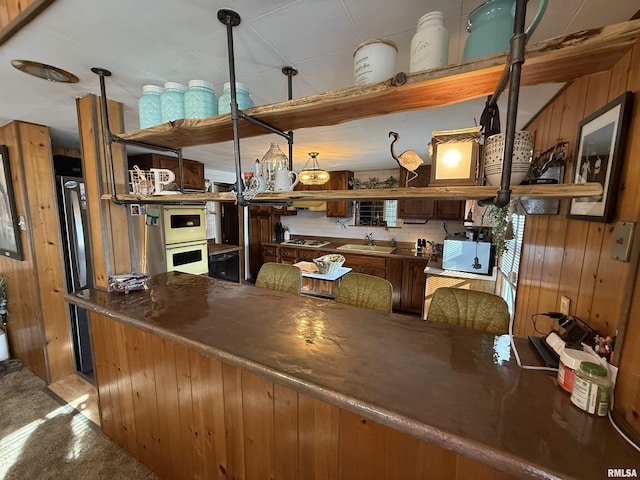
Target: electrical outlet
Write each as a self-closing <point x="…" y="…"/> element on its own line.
<point x="565" y="303"/>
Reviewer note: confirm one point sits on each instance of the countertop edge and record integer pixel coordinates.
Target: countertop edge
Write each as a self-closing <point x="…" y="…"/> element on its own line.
<point x="462" y="445"/>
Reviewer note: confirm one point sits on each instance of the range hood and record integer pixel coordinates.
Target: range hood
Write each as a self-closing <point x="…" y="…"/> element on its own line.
<point x="309" y="205"/>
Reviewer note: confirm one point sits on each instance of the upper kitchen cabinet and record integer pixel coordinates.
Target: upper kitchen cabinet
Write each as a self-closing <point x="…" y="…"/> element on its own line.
<point x="193" y="171"/>
<point x="340" y="180"/>
<point x="421" y="208"/>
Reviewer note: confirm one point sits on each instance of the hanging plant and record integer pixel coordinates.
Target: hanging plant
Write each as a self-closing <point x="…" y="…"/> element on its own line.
<point x="499" y="217"/>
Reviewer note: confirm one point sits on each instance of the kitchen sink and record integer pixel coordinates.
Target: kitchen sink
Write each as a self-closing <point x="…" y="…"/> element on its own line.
<point x="354" y="247"/>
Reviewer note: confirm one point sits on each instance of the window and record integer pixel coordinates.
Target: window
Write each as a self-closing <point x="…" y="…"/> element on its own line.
<point x="377" y="213"/>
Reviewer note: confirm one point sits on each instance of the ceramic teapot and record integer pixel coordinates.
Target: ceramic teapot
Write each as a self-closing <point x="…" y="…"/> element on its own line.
<point x="285" y="180"/>
<point x="490" y="27"/>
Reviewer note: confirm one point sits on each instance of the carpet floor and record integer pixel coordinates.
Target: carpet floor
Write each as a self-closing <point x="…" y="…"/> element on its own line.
<point x="42" y="437"/>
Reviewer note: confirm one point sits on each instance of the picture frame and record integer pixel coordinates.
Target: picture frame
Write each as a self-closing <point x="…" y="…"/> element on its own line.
<point x="10" y="240"/>
<point x="600" y="147"/>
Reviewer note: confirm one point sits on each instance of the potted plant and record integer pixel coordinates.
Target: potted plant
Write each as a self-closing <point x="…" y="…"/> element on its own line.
<point x="499" y="217"/>
<point x="3" y="298"/>
<point x="545" y="168"/>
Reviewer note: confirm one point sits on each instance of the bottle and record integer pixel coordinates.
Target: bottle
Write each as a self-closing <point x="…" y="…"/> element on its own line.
<point x="149" y="111"/>
<point x="200" y="100"/>
<point x="430" y="44"/>
<point x="172" y="101"/>
<point x="242" y="98"/>
<point x="591" y="389"/>
<point x="273" y="160"/>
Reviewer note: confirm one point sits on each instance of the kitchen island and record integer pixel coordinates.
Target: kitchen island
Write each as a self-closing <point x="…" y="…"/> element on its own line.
<point x="204" y="378"/>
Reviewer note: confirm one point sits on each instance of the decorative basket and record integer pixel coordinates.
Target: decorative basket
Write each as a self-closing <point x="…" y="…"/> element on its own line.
<point x="329" y="263"/>
<point x="141" y="181"/>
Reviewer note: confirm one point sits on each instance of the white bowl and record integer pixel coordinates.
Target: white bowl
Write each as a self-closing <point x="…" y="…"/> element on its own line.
<point x="522" y="148"/>
<point x="516" y="177"/>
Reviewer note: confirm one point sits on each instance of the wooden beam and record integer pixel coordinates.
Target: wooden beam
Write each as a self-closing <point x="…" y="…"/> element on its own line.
<point x="19" y="16"/>
<point x="445" y="193"/>
<point x="560" y="59"/>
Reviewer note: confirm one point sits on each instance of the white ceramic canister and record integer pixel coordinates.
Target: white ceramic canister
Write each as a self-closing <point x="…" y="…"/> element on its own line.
<point x="430" y="44"/>
<point x="570" y="360"/>
<point x="374" y="61"/>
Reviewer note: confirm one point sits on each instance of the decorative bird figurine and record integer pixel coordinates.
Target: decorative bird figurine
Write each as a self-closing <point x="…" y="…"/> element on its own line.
<point x="408" y="159"/>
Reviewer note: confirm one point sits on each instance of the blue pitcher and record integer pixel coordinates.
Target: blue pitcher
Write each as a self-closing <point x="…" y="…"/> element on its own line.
<point x="490" y="27"/>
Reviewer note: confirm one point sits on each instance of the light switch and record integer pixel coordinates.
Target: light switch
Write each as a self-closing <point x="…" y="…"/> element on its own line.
<point x="622" y="236"/>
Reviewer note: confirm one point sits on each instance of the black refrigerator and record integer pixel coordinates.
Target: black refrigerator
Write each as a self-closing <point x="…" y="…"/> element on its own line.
<point x="72" y="207"/>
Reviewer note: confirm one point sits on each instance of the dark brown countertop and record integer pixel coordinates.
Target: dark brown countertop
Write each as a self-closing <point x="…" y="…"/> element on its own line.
<point x="399" y="252"/>
<point x="218" y="248"/>
<point x="451" y="386"/>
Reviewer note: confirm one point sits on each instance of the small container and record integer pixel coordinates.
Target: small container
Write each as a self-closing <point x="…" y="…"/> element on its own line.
<point x="172" y="101"/>
<point x="149" y="111"/>
<point x="430" y="44"/>
<point x="242" y="97"/>
<point x="570" y="360"/>
<point x="374" y="61"/>
<point x="200" y="100"/>
<point x="591" y="389"/>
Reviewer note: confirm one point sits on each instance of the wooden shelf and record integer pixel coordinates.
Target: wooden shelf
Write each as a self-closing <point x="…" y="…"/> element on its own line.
<point x="560" y="59"/>
<point x="446" y="193"/>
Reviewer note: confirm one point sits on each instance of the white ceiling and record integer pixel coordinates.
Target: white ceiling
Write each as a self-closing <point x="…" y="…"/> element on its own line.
<point x="151" y="41"/>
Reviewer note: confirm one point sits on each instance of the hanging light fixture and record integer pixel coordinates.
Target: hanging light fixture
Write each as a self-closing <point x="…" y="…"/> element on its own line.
<point x="313" y="175"/>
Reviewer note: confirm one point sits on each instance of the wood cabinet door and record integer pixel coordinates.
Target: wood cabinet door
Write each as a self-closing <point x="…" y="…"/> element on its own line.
<point x="340" y="181"/>
<point x="288" y="255"/>
<point x="260" y="228"/>
<point x="413" y="278"/>
<point x="419" y="208"/>
<point x="449" y="210"/>
<point x="394" y="275"/>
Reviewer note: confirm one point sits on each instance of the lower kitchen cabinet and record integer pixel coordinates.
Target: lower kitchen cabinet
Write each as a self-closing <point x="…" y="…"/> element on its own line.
<point x="260" y="231"/>
<point x="413" y="278"/>
<point x="394" y="275"/>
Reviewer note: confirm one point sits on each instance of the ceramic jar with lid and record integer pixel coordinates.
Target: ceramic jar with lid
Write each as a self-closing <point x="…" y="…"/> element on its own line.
<point x="374" y="61"/>
<point x="149" y="112"/>
<point x="200" y="100"/>
<point x="242" y="97"/>
<point x="172" y="101"/>
<point x="430" y="44"/>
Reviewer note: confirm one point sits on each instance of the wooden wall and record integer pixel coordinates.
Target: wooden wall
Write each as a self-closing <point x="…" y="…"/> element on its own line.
<point x="186" y="415"/>
<point x="572" y="257"/>
<point x="15" y="14"/>
<point x="38" y="323"/>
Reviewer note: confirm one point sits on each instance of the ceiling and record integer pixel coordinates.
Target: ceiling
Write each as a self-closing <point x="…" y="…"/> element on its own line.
<point x="148" y="41"/>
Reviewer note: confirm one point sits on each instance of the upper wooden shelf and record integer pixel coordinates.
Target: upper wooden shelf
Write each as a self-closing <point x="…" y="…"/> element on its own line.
<point x="446" y="193"/>
<point x="560" y="59"/>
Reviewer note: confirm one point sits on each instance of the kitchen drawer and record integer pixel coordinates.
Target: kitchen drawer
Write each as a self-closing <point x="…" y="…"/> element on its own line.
<point x="289" y="254"/>
<point x="307" y="255"/>
<point x="270" y="251"/>
<point x="365" y="261"/>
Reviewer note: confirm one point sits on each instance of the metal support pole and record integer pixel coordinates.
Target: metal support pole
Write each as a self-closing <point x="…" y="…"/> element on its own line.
<point x="290" y="71"/>
<point x="231" y="19"/>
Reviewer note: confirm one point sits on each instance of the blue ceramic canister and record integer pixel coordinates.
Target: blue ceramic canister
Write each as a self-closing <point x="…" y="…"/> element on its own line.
<point x="172" y="101"/>
<point x="149" y="106"/>
<point x="200" y="100"/>
<point x="242" y="97"/>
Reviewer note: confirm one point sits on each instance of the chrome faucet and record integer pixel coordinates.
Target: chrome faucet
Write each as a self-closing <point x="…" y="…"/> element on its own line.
<point x="369" y="238"/>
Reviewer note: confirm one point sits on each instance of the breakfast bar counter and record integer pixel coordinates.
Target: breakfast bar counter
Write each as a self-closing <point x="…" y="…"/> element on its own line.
<point x="253" y="383"/>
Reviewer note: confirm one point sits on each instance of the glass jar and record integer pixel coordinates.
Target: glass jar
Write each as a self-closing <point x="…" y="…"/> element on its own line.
<point x="242" y="97"/>
<point x="200" y="100"/>
<point x="149" y="111"/>
<point x="430" y="44"/>
<point x="172" y="101"/>
<point x="591" y="389"/>
<point x="273" y="160"/>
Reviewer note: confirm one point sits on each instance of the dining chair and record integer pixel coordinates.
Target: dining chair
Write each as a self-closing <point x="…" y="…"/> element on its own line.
<point x="365" y="291"/>
<point x="280" y="276"/>
<point x="469" y="308"/>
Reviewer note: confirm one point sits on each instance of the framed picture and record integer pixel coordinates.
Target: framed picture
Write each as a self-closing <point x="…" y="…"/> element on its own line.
<point x="600" y="148"/>
<point x="10" y="241"/>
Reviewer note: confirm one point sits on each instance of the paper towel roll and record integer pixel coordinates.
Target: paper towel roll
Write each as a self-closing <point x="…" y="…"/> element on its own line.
<point x="4" y="346"/>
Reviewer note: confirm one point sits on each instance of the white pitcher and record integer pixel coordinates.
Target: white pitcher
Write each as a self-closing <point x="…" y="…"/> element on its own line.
<point x="285" y="180"/>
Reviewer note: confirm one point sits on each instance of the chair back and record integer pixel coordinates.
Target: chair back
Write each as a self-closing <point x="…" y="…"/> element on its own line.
<point x="469" y="308"/>
<point x="280" y="277"/>
<point x="366" y="291"/>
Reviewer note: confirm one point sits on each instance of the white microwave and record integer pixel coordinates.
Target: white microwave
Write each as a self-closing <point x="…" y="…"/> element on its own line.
<point x="463" y="255"/>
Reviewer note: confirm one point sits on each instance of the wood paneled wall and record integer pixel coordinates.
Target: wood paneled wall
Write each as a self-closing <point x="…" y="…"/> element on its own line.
<point x="572" y="257"/>
<point x="15" y="14"/>
<point x="186" y="415"/>
<point x="38" y="322"/>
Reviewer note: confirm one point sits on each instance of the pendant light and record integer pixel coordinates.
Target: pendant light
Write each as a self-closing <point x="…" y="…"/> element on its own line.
<point x="313" y="175"/>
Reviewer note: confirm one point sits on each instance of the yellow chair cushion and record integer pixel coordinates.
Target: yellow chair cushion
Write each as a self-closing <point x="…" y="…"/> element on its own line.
<point x="469" y="308"/>
<point x="280" y="277"/>
<point x="366" y="291"/>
